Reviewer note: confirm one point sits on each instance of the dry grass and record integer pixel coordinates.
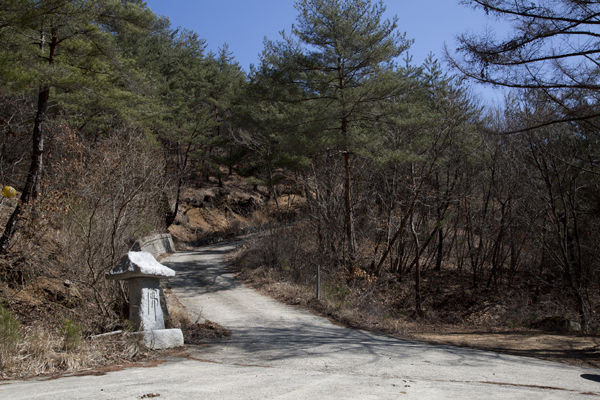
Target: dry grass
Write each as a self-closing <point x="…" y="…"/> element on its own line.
<point x="42" y="351"/>
<point x="383" y="305"/>
<point x="49" y="337"/>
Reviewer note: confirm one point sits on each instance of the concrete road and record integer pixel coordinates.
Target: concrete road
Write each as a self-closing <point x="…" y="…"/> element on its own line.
<point x="279" y="352"/>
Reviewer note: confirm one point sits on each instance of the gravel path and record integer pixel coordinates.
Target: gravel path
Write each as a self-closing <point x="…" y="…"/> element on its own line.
<point x="279" y="352"/>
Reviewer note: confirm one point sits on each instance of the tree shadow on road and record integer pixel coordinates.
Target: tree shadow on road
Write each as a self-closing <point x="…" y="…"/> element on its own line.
<point x="302" y="338"/>
<point x="202" y="276"/>
<point x="332" y="343"/>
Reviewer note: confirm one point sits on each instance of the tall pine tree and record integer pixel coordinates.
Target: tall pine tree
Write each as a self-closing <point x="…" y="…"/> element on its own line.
<point x="341" y="54"/>
<point x="73" y="44"/>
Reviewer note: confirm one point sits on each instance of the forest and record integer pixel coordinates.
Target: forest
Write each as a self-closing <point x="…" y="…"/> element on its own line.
<point x="413" y="196"/>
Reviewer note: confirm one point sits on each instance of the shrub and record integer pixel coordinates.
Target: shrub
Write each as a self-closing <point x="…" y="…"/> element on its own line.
<point x="10" y="331"/>
<point x="9" y="327"/>
<point x="71" y="333"/>
<point x="337" y="291"/>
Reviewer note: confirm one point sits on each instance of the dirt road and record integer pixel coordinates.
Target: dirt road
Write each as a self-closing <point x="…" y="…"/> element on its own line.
<point x="279" y="352"/>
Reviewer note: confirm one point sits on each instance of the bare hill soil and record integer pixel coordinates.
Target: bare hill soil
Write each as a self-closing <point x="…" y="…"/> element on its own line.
<point x="213" y="212"/>
<point x="210" y="212"/>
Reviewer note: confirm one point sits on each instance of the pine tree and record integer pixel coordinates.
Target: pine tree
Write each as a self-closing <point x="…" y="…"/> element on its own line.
<point x="341" y="55"/>
<point x="73" y="46"/>
<point x="553" y="48"/>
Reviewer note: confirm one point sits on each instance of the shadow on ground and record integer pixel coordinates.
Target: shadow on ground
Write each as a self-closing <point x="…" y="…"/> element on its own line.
<point x="200" y="277"/>
<point x="591" y="377"/>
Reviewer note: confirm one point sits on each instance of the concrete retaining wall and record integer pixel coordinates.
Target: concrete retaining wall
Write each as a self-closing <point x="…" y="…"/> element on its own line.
<point x="155" y="244"/>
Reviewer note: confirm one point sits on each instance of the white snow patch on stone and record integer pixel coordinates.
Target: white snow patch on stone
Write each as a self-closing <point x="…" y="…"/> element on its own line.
<point x="139" y="264"/>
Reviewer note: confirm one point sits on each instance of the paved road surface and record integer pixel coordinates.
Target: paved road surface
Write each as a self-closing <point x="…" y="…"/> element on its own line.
<point x="279" y="352"/>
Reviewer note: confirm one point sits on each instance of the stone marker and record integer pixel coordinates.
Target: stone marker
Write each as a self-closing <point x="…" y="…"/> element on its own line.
<point x="143" y="274"/>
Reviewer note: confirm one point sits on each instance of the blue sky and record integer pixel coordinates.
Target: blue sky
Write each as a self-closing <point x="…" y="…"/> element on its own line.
<point x="243" y="24"/>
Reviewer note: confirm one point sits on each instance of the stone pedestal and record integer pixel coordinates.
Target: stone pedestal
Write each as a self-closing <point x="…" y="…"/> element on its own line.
<point x="143" y="274"/>
<point x="163" y="339"/>
<point x="145" y="312"/>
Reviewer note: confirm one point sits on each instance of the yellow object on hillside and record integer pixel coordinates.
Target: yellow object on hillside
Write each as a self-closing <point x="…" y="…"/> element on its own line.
<point x="9" y="192"/>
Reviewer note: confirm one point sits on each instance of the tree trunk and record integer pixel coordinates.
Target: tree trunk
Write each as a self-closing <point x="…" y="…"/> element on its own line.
<point x="272" y="186"/>
<point x="574" y="270"/>
<point x="171" y="216"/>
<point x="349" y="218"/>
<point x="182" y="162"/>
<point x="440" y="250"/>
<point x="33" y="181"/>
<point x="418" y="308"/>
<point x="350" y="234"/>
<point x="35" y="171"/>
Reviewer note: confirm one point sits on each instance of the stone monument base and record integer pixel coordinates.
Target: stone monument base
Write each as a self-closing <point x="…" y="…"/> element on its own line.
<point x="161" y="339"/>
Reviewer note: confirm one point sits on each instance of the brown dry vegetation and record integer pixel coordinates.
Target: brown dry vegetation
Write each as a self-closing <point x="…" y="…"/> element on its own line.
<point x="96" y="201"/>
<point x="41" y="351"/>
<point x="97" y="198"/>
<point x="454" y="313"/>
<point x="38" y="344"/>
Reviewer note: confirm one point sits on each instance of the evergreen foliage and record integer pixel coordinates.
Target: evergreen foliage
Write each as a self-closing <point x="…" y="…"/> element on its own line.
<point x="401" y="170"/>
<point x="340" y="59"/>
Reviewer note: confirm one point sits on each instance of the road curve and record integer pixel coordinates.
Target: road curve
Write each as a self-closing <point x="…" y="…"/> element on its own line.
<point x="279" y="352"/>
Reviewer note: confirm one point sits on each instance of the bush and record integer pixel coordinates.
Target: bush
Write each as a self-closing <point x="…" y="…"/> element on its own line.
<point x="10" y="331"/>
<point x="71" y="333"/>
<point x="339" y="291"/>
<point x="9" y="327"/>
